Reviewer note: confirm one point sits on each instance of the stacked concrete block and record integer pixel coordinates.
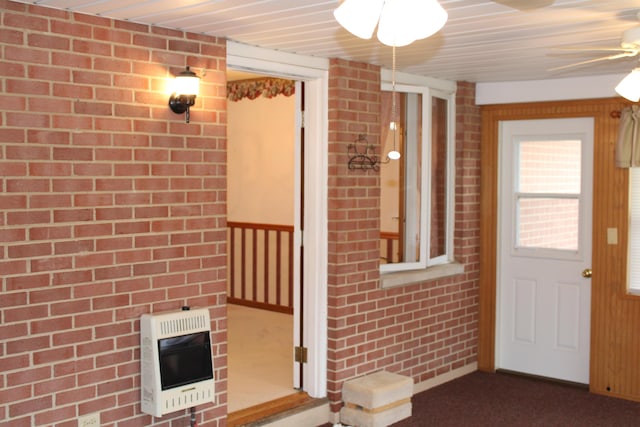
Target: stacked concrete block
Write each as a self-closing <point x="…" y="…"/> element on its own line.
<point x="376" y="400"/>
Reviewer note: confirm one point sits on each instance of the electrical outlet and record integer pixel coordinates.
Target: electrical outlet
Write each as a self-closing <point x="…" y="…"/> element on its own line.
<point x="90" y="420"/>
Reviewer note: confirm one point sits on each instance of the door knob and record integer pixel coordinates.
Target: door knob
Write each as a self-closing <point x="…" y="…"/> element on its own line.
<point x="587" y="273"/>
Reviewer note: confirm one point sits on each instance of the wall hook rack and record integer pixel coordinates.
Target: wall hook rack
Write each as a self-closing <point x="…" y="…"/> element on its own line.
<point x="362" y="158"/>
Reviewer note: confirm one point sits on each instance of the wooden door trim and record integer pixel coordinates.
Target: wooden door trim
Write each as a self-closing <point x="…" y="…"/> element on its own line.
<point x="600" y="110"/>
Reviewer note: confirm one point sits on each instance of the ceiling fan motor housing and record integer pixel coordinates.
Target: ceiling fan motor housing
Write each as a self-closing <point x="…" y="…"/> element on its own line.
<point x="631" y="38"/>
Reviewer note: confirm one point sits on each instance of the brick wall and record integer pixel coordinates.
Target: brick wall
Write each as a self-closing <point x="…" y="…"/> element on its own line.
<point x="421" y="330"/>
<point x="111" y="207"/>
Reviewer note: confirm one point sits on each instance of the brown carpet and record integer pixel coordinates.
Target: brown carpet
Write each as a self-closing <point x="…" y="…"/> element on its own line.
<point x="482" y="399"/>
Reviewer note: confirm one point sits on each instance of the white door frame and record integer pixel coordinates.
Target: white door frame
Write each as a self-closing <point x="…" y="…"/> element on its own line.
<point x="315" y="73"/>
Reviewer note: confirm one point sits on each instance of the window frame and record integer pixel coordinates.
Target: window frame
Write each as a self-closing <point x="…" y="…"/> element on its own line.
<point x="429" y="88"/>
<point x="634" y="232"/>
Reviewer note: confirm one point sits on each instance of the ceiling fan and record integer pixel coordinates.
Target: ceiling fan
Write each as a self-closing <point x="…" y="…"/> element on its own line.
<point x="524" y="5"/>
<point x="629" y="47"/>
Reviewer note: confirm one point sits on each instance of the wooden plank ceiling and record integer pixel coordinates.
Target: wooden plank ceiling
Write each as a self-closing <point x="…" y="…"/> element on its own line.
<point x="483" y="40"/>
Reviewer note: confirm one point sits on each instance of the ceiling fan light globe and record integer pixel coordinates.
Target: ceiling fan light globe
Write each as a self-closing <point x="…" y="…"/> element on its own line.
<point x="428" y="19"/>
<point x="404" y="21"/>
<point x="359" y="17"/>
<point x="393" y="28"/>
<point x="629" y="87"/>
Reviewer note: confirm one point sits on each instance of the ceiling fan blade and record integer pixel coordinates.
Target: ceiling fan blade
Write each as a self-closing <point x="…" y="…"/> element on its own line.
<point x="589" y="61"/>
<point x="595" y="49"/>
<point x="525" y="4"/>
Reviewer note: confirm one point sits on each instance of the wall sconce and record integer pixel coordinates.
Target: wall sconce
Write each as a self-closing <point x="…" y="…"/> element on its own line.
<point x="185" y="90"/>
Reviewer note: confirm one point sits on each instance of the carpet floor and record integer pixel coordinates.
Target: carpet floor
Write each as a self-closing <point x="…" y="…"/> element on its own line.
<point x="483" y="399"/>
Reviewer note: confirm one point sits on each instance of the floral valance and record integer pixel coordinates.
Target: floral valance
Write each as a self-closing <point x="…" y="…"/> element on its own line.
<point x="254" y="88"/>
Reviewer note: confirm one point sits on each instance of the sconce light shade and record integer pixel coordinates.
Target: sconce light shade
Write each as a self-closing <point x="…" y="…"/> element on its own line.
<point x="185" y="90"/>
<point x="400" y="22"/>
<point x="629" y="87"/>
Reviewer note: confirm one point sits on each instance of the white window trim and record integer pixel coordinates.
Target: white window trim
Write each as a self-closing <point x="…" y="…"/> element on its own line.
<point x="451" y="176"/>
<point x="442" y="266"/>
<point x="633" y="249"/>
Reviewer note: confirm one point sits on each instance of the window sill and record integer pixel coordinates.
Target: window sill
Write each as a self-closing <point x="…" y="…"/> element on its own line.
<point x="390" y="280"/>
<point x="633" y="292"/>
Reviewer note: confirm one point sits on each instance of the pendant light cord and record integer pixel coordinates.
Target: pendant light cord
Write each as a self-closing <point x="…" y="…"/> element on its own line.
<point x="394" y="107"/>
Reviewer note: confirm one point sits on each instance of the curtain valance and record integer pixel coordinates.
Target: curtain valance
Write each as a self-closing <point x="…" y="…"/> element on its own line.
<point x="254" y="88"/>
<point x="628" y="144"/>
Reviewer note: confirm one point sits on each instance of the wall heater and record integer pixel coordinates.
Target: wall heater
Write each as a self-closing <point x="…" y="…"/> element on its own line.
<point x="175" y="359"/>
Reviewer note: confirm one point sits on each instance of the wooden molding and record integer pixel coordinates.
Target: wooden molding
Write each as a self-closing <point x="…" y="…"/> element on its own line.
<point x="615" y="337"/>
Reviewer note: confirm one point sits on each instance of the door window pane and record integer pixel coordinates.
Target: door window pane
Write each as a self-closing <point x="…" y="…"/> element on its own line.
<point x="548" y="223"/>
<point x="548" y="194"/>
<point x="550" y="166"/>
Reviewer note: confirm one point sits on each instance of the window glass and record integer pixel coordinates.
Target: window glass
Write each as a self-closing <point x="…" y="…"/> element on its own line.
<point x="416" y="225"/>
<point x="634" y="231"/>
<point x="547" y="195"/>
<point x="439" y="184"/>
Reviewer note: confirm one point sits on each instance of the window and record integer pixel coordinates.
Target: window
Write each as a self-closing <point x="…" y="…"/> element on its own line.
<point x="634" y="231"/>
<point x="548" y="180"/>
<point x="416" y="223"/>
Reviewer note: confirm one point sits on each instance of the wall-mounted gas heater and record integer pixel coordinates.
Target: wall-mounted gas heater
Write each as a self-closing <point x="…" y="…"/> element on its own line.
<point x="175" y="359"/>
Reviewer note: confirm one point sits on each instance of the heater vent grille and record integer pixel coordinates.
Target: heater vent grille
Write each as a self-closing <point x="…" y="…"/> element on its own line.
<point x="193" y="396"/>
<point x="183" y="325"/>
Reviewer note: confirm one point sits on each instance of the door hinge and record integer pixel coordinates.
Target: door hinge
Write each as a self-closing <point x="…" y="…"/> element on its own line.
<point x="300" y="354"/>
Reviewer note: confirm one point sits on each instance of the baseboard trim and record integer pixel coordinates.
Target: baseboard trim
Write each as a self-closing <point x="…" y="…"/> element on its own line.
<point x="334" y="417"/>
<point x="444" y="378"/>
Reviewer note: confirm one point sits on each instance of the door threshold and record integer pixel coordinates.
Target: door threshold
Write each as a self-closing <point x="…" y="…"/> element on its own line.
<point x="543" y="378"/>
<point x="268" y="412"/>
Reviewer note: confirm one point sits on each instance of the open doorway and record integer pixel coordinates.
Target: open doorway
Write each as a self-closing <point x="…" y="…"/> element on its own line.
<point x="312" y="296"/>
<point x="264" y="208"/>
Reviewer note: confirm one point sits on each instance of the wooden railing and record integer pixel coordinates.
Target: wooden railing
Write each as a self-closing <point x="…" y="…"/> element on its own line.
<point x="389" y="247"/>
<point x="260" y="266"/>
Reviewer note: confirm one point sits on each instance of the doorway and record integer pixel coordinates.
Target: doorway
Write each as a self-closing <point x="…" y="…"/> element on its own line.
<point x="544" y="247"/>
<point x="263" y="206"/>
<point x="313" y="269"/>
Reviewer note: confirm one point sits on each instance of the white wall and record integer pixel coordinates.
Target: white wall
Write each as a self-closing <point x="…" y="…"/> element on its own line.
<point x="547" y="90"/>
<point x="260" y="150"/>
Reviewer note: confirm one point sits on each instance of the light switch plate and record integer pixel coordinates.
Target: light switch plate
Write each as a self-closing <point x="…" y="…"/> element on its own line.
<point x="612" y="236"/>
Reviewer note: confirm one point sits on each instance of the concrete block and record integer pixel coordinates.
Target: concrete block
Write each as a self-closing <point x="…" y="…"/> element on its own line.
<point x="376" y="400"/>
<point x="377" y="389"/>
<point x="362" y="418"/>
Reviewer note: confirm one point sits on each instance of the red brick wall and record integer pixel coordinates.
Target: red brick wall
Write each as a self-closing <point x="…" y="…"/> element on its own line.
<point x="111" y="207"/>
<point x="421" y="330"/>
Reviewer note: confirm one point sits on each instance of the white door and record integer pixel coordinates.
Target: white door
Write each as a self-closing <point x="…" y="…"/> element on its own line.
<point x="544" y="247"/>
